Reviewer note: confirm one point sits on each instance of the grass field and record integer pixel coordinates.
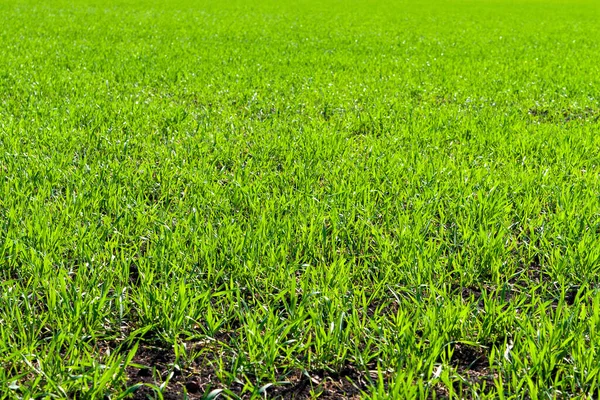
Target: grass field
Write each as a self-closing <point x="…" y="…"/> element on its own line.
<point x="299" y="199"/>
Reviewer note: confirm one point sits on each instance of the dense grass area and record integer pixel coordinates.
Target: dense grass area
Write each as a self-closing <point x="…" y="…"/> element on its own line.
<point x="340" y="199"/>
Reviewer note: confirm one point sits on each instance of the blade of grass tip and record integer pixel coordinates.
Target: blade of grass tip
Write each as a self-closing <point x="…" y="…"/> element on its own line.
<point x="214" y="394"/>
<point x="130" y="390"/>
<point x="156" y="390"/>
<point x="263" y="389"/>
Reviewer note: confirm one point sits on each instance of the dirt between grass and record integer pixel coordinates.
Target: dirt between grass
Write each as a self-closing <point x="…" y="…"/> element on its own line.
<point x="155" y="365"/>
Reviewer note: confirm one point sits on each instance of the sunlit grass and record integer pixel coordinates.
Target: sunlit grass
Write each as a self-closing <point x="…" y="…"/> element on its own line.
<point x="299" y="198"/>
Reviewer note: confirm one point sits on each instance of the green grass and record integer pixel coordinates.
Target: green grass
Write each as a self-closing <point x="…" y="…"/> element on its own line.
<point x="376" y="199"/>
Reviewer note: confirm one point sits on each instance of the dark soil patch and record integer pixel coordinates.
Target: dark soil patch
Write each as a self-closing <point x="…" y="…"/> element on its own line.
<point x="345" y="384"/>
<point x="478" y="294"/>
<point x="469" y="358"/>
<point x="154" y="365"/>
<point x="566" y="115"/>
<point x="472" y="364"/>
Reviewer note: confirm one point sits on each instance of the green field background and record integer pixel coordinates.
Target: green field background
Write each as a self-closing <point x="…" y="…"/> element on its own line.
<point x="276" y="190"/>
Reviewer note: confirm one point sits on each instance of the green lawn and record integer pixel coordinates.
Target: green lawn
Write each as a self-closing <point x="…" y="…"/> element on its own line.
<point x="298" y="199"/>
